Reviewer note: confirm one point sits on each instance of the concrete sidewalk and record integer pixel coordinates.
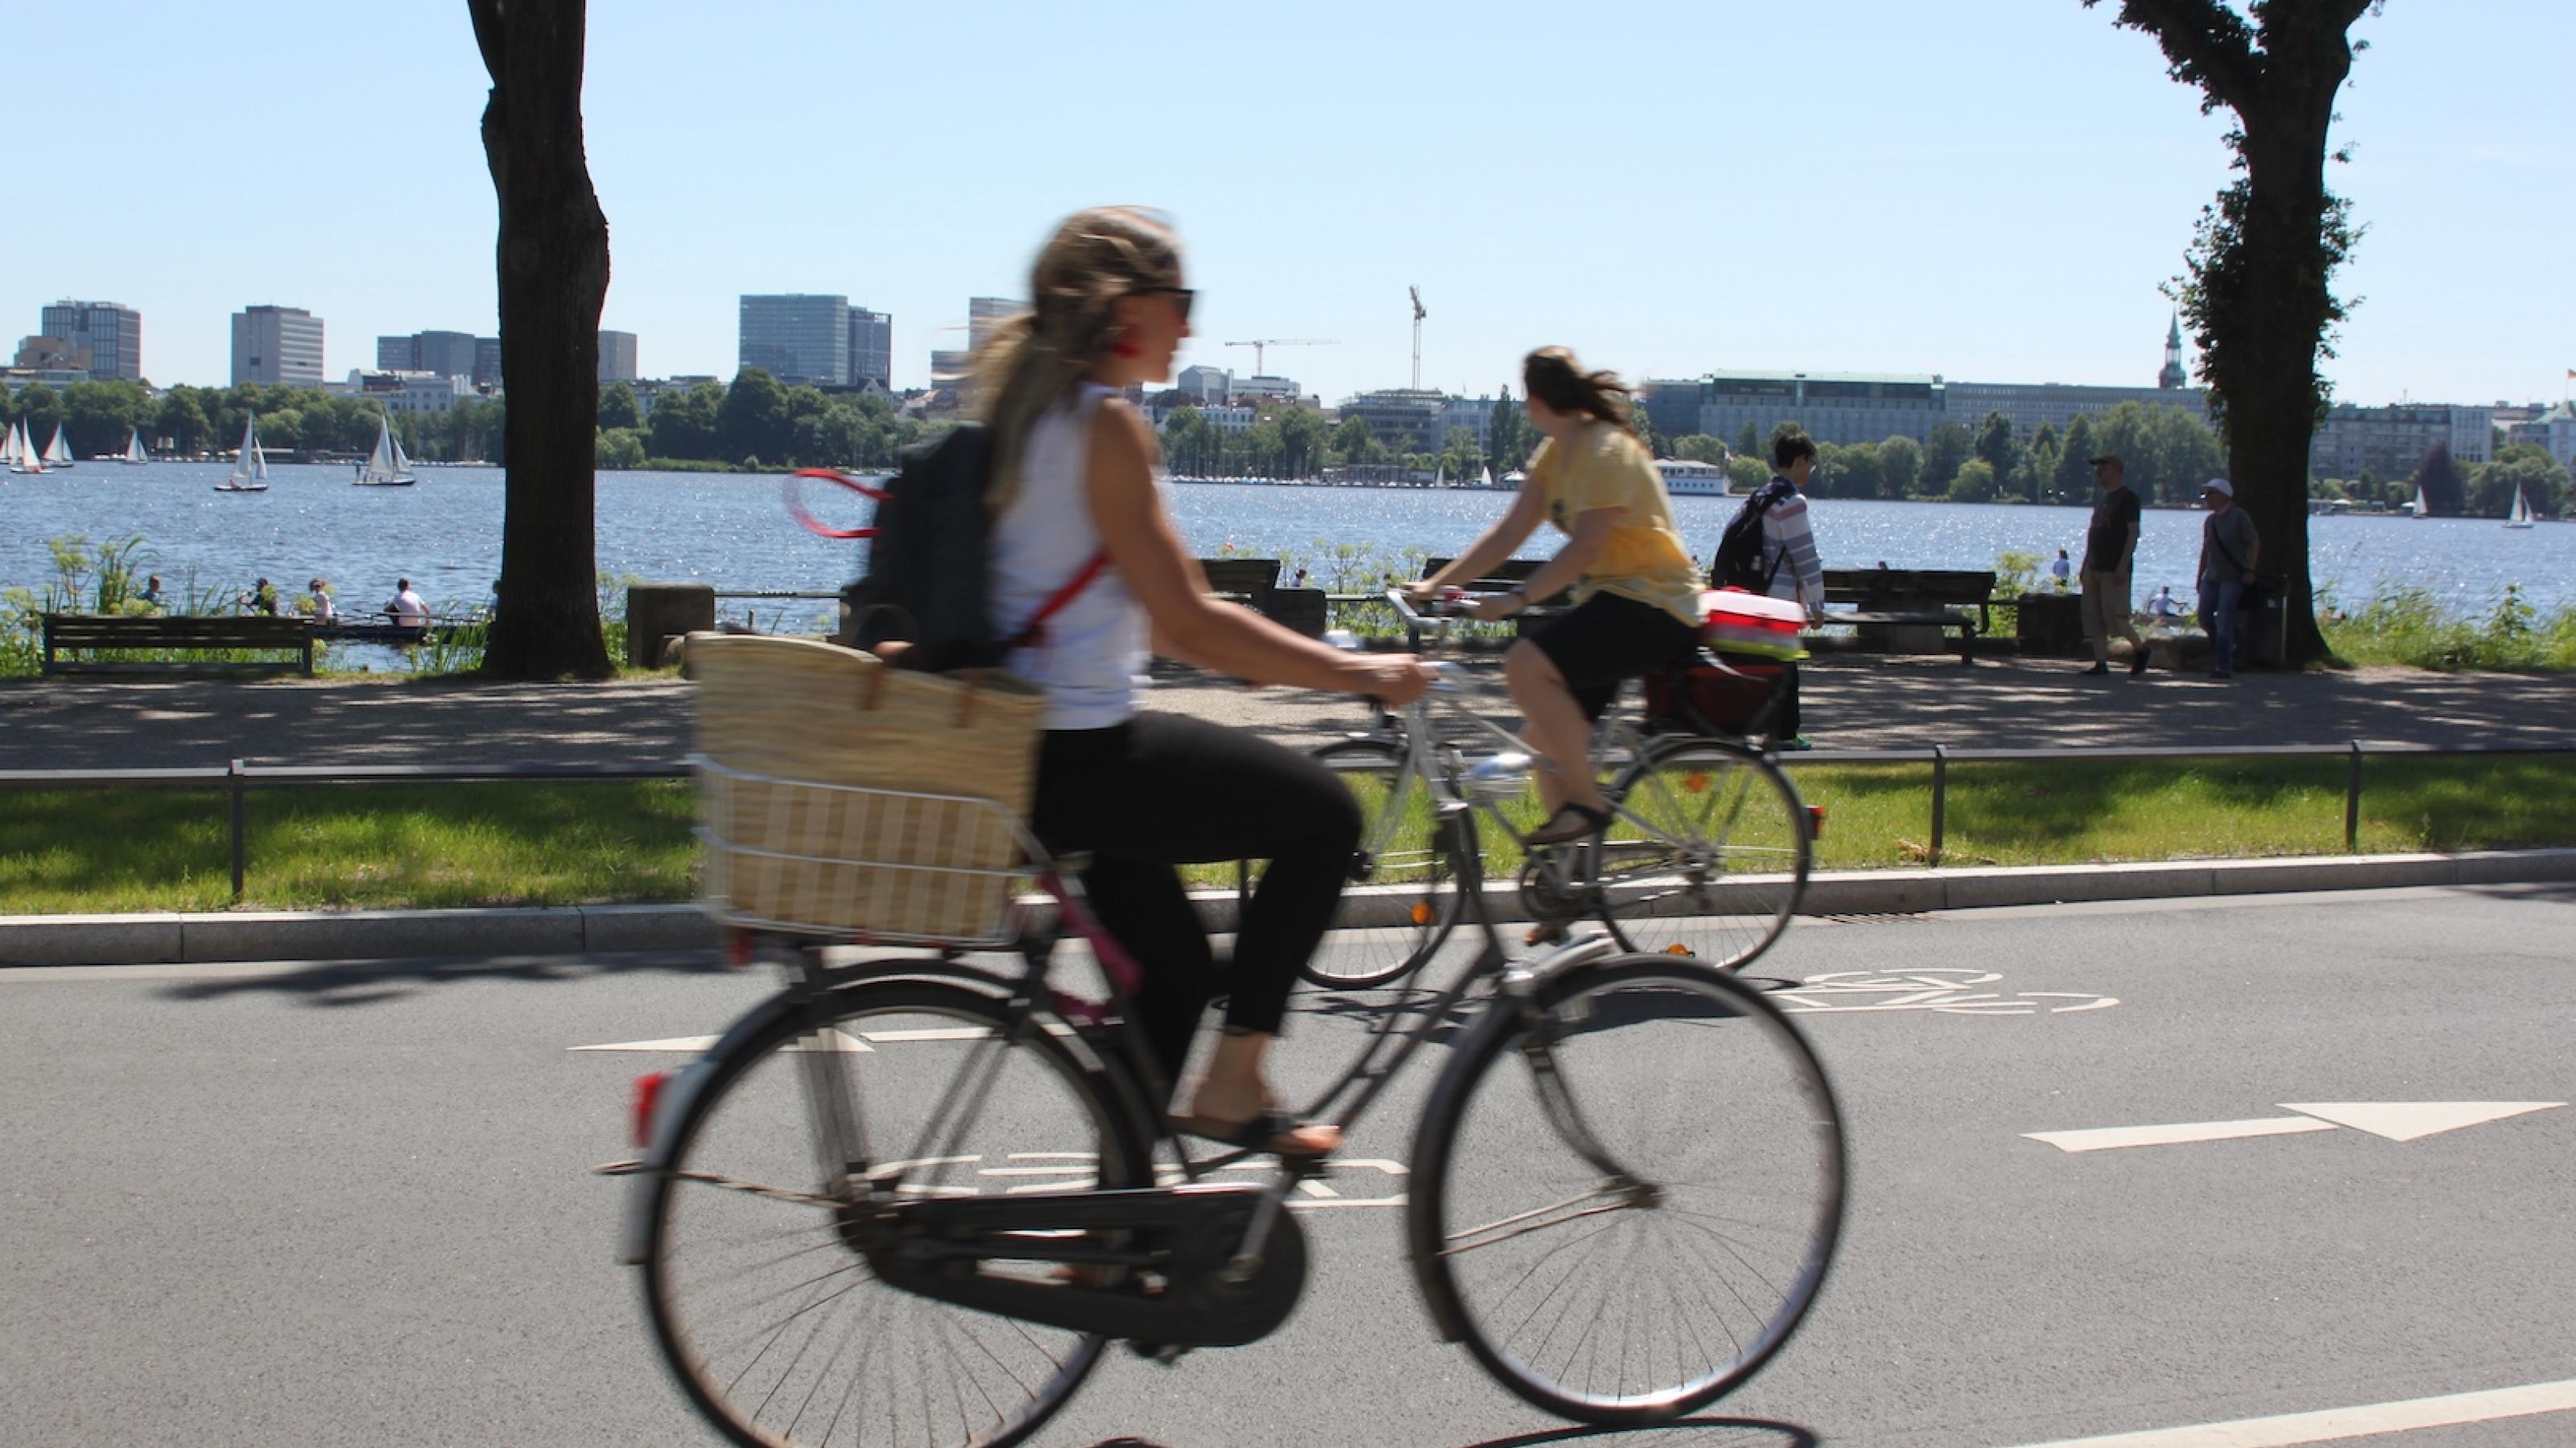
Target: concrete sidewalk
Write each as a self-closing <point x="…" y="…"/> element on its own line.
<point x="1851" y="702"/>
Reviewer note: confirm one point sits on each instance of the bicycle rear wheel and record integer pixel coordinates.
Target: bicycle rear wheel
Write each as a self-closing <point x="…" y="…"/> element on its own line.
<point x="1405" y="895"/>
<point x="1649" y="1253"/>
<point x="1706" y="855"/>
<point x="760" y="1298"/>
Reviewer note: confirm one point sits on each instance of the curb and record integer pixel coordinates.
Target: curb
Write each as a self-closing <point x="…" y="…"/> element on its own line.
<point x="177" y="939"/>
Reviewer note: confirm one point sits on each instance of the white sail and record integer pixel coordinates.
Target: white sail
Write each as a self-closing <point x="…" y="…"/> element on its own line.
<point x="2423" y="505"/>
<point x="23" y="457"/>
<point x="57" y="454"/>
<point x="386" y="466"/>
<point x="250" y="468"/>
<point x="2521" y="516"/>
<point x="134" y="452"/>
<point x="1440" y="476"/>
<point x="9" y="447"/>
<point x="1488" y="483"/>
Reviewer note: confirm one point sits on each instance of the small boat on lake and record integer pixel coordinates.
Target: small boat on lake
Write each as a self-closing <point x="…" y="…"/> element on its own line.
<point x="2520" y="517"/>
<point x="386" y="467"/>
<point x="21" y="451"/>
<point x="134" y="455"/>
<point x="58" y="458"/>
<point x="250" y="469"/>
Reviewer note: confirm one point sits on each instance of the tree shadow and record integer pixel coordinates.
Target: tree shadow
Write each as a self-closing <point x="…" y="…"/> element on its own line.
<point x="1685" y="1433"/>
<point x="343" y="983"/>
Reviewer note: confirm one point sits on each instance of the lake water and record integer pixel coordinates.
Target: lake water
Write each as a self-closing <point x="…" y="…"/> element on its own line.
<point x="732" y="532"/>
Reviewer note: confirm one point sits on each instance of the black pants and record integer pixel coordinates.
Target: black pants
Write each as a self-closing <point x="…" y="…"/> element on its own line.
<point x="1161" y="790"/>
<point x="1785" y="724"/>
<point x="1608" y="640"/>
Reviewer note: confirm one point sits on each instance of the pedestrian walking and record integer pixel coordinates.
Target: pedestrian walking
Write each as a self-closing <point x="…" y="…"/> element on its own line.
<point x="2110" y="549"/>
<point x="1789" y="560"/>
<point x="2229" y="549"/>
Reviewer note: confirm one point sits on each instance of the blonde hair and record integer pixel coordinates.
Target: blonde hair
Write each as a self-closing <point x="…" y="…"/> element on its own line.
<point x="1038" y="358"/>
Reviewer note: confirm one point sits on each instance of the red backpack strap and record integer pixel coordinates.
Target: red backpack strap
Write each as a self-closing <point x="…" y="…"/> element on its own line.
<point x="1033" y="632"/>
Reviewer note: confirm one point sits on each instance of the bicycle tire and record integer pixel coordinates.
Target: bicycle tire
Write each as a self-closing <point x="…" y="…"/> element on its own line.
<point x="1669" y="1065"/>
<point x="1396" y="810"/>
<point x="1707" y="855"/>
<point x="768" y="1406"/>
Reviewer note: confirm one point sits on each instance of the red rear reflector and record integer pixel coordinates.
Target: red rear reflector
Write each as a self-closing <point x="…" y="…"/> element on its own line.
<point x="648" y="1094"/>
<point x="1815" y="822"/>
<point x="737" y="948"/>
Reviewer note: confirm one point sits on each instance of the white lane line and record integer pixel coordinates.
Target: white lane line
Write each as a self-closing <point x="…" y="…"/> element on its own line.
<point x="2337" y="1424"/>
<point x="2407" y="1120"/>
<point x="685" y="1045"/>
<point x="2108" y="1138"/>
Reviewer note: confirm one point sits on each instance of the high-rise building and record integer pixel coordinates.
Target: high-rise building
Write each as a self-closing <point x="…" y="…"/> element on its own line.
<point x="1406" y="419"/>
<point x="616" y="356"/>
<point x="441" y="354"/>
<point x="983" y="314"/>
<point x="871" y="348"/>
<point x="277" y="345"/>
<point x="2381" y="444"/>
<point x="111" y="333"/>
<point x="797" y="337"/>
<point x="487" y="362"/>
<point x="1836" y="407"/>
<point x="1207" y="384"/>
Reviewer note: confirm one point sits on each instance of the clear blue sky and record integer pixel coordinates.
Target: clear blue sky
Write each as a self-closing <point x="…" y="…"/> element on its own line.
<point x="1989" y="189"/>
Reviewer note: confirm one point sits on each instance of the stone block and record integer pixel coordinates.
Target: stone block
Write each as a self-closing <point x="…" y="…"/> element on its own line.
<point x="1873" y="892"/>
<point x="2059" y="884"/>
<point x="657" y="612"/>
<point x="2333" y="872"/>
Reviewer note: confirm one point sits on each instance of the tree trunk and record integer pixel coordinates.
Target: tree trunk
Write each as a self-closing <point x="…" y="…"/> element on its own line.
<point x="553" y="264"/>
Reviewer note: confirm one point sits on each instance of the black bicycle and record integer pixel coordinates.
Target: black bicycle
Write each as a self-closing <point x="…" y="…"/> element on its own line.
<point x="911" y="1200"/>
<point x="1706" y="854"/>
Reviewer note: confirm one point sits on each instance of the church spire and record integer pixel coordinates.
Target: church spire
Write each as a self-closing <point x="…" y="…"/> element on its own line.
<point x="2173" y="377"/>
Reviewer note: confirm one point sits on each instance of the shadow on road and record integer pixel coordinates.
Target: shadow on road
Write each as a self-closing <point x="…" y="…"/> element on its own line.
<point x="374" y="982"/>
<point x="1687" y="1433"/>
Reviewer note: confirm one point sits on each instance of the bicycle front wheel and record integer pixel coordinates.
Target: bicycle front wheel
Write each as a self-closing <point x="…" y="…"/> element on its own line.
<point x="759" y="1292"/>
<point x="1705" y="856"/>
<point x="1651" y="1245"/>
<point x="1404" y="897"/>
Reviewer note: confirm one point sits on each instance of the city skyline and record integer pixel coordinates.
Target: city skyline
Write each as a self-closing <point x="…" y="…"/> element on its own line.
<point x="1987" y="192"/>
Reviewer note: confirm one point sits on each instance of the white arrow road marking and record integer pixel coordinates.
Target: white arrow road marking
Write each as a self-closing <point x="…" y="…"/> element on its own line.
<point x="2395" y="1120"/>
<point x="2333" y="1425"/>
<point x="2111" y="1138"/>
<point x="2407" y="1120"/>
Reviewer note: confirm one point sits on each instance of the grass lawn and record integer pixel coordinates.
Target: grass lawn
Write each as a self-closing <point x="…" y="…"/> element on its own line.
<point x="585" y="843"/>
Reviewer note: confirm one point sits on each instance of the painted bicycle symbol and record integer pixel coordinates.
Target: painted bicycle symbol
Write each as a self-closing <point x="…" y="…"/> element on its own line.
<point x="1948" y="991"/>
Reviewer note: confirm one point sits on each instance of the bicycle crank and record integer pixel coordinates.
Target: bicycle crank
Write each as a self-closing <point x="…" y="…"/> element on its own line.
<point x="1163" y="1265"/>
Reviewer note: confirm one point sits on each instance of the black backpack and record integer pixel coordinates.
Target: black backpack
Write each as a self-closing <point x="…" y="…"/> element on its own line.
<point x="927" y="563"/>
<point x="1738" y="562"/>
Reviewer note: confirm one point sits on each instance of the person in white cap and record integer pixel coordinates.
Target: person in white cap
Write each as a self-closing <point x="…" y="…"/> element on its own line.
<point x="2229" y="550"/>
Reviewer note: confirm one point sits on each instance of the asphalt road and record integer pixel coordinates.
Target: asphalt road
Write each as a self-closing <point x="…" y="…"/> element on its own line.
<point x="318" y="1205"/>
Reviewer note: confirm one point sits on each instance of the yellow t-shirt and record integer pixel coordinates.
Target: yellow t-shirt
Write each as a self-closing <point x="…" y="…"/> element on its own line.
<point x="1608" y="468"/>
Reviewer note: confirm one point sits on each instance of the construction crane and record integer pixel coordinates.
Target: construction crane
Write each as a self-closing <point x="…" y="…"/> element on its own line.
<point x="1259" y="344"/>
<point x="1416" y="294"/>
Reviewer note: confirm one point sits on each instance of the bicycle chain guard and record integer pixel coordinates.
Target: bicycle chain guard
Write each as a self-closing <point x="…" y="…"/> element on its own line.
<point x="1147" y="1264"/>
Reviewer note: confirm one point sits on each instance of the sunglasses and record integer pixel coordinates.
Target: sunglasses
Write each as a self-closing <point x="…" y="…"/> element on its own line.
<point x="1182" y="297"/>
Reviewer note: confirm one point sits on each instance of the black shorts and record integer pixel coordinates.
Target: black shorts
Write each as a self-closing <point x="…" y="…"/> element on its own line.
<point x="1608" y="640"/>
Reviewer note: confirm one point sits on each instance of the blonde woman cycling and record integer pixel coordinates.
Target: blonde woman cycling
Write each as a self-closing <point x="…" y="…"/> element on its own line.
<point x="1077" y="471"/>
<point x="1636" y="594"/>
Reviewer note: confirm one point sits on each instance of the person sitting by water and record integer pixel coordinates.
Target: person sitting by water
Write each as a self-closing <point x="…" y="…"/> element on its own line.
<point x="1636" y="595"/>
<point x="262" y="599"/>
<point x="406" y="606"/>
<point x="2163" y="607"/>
<point x="152" y="596"/>
<point x="318" y="602"/>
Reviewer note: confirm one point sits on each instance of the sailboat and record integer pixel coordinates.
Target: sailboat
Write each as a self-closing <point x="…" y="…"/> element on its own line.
<point x="57" y="456"/>
<point x="386" y="467"/>
<point x="1488" y="483"/>
<point x="23" y="457"/>
<point x="1440" y="476"/>
<point x="250" y="470"/>
<point x="134" y="452"/>
<point x="2520" y="517"/>
<point x="2423" y="505"/>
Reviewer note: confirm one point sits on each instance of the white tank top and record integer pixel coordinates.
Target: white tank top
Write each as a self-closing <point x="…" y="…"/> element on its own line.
<point x="1093" y="648"/>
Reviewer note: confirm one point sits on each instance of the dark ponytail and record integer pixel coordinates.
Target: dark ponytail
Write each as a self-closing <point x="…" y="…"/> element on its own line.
<point x="1553" y="376"/>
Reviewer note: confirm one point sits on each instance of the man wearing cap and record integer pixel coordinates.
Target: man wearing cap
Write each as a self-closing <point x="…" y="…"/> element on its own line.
<point x="2229" y="549"/>
<point x="2110" y="547"/>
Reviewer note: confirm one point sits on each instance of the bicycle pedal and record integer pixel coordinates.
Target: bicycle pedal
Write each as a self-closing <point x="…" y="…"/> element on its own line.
<point x="1160" y="1352"/>
<point x="1550" y="933"/>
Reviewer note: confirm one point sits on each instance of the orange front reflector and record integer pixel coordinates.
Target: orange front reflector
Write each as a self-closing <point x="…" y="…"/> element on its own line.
<point x="1421" y="912"/>
<point x="648" y="1094"/>
<point x="1694" y="782"/>
<point x="1676" y="948"/>
<point x="1815" y="822"/>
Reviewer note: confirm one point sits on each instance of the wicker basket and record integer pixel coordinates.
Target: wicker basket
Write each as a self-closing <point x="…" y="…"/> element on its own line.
<point x="841" y="796"/>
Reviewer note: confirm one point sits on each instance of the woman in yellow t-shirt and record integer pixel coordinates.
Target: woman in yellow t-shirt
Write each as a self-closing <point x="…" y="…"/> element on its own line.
<point x="1636" y="593"/>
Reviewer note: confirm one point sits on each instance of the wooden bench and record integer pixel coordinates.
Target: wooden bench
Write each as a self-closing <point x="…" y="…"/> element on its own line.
<point x="1914" y="597"/>
<point x="69" y="633"/>
<point x="1248" y="581"/>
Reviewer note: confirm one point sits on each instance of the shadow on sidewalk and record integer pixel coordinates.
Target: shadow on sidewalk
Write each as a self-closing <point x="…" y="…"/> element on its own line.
<point x="375" y="982"/>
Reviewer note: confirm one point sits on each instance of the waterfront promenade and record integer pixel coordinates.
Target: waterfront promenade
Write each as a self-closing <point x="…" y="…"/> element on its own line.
<point x="1851" y="703"/>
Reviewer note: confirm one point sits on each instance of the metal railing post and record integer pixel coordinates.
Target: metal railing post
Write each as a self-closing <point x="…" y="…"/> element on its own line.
<point x="2352" y="803"/>
<point x="241" y="849"/>
<point x="1940" y="799"/>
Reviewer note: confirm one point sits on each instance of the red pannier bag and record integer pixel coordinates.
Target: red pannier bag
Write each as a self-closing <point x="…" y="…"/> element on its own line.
<point x="1727" y="701"/>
